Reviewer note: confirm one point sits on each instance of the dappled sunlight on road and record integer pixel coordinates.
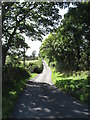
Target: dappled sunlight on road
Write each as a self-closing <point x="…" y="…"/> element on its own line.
<point x="46" y="101"/>
<point x="41" y="99"/>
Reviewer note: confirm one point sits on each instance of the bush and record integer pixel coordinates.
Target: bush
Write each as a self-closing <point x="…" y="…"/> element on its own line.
<point x="78" y="88"/>
<point x="36" y="66"/>
<point x="38" y="69"/>
<point x="14" y="79"/>
<point x="10" y="73"/>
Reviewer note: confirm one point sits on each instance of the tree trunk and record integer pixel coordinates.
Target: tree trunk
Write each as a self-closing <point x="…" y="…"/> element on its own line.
<point x="78" y="58"/>
<point x="24" y="58"/>
<point x="87" y="56"/>
<point x="4" y="54"/>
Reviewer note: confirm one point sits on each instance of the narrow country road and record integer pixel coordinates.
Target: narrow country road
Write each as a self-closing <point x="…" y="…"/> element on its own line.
<point x="45" y="76"/>
<point x="41" y="99"/>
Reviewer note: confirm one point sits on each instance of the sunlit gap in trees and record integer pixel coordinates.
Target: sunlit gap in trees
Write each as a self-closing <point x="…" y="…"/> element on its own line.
<point x="35" y="45"/>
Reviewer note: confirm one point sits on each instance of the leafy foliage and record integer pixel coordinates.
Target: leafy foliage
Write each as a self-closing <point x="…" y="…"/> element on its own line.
<point x="34" y="19"/>
<point x="69" y="45"/>
<point x="14" y="79"/>
<point x="67" y="51"/>
<point x="35" y="66"/>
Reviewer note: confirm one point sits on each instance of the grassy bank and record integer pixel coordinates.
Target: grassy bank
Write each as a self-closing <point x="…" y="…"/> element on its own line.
<point x="77" y="84"/>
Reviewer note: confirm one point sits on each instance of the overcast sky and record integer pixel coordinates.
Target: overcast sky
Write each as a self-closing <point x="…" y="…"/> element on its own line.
<point x="35" y="45"/>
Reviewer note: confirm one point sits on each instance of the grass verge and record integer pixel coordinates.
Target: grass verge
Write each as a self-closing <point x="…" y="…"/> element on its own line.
<point x="77" y="84"/>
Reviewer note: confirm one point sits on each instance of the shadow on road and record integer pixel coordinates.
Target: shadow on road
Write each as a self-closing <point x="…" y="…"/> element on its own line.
<point x="41" y="100"/>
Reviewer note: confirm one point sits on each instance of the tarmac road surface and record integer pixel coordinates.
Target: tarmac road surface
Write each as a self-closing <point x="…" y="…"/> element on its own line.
<point x="41" y="99"/>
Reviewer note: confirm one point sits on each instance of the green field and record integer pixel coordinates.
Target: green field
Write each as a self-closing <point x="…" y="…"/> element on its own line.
<point x="27" y="62"/>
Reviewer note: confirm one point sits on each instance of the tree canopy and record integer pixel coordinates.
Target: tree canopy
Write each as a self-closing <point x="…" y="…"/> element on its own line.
<point x="34" y="19"/>
<point x="69" y="45"/>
